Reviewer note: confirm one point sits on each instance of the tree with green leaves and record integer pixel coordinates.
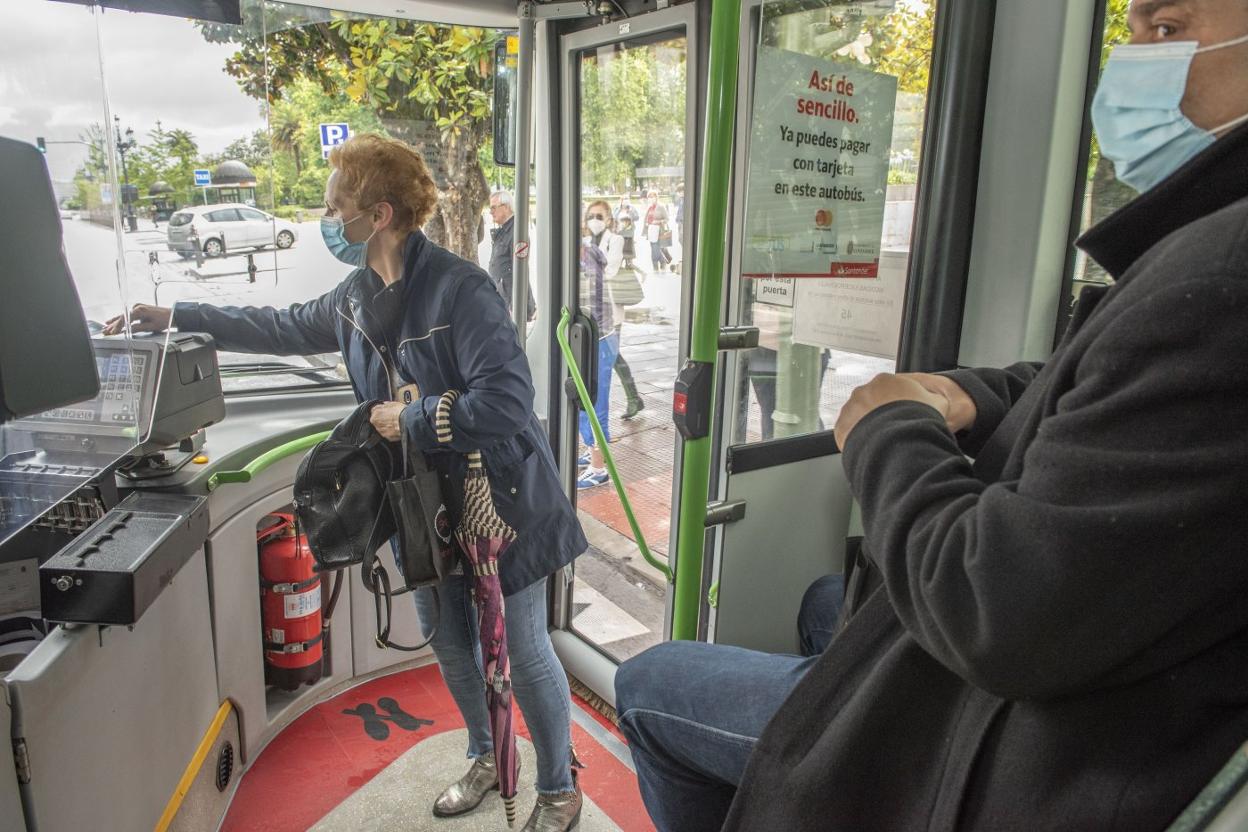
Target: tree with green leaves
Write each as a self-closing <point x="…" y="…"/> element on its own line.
<point x="426" y="84"/>
<point x="1107" y="194"/>
<point x="632" y="115"/>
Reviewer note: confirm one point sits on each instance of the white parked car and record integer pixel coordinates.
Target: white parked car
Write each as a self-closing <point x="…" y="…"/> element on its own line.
<point x="216" y="229"/>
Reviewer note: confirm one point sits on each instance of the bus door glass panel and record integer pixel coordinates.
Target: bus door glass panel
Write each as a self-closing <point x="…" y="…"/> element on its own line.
<point x="1102" y="193"/>
<point x="631" y="243"/>
<point x="836" y="127"/>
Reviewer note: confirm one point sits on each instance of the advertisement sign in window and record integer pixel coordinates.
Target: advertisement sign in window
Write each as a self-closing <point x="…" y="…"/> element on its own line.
<point x="819" y="158"/>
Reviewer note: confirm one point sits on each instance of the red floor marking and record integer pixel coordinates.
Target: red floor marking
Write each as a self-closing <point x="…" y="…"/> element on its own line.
<point x="609" y="783"/>
<point x="600" y="719"/>
<point x="324" y="756"/>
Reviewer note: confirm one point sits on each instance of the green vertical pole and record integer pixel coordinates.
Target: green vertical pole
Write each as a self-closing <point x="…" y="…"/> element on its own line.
<point x="716" y="178"/>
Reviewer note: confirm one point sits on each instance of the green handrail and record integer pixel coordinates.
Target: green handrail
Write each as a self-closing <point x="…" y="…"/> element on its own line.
<point x="265" y="460"/>
<point x="716" y="177"/>
<point x="561" y="332"/>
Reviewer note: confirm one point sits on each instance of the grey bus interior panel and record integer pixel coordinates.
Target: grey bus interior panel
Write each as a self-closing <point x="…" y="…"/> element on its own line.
<point x="235" y="576"/>
<point x="132" y="703"/>
<point x="204" y="805"/>
<point x="1028" y="172"/>
<point x="405" y="626"/>
<point x="794" y="530"/>
<point x="11" y="818"/>
<point x="41" y="303"/>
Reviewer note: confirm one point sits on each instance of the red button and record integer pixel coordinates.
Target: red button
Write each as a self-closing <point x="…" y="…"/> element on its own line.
<point x="680" y="403"/>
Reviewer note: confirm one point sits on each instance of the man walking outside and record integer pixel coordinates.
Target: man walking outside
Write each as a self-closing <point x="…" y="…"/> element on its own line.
<point x="503" y="235"/>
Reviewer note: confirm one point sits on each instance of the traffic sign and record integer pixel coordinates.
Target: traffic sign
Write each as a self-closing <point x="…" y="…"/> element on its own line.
<point x="331" y="135"/>
<point x="203" y="178"/>
<point x="522" y="250"/>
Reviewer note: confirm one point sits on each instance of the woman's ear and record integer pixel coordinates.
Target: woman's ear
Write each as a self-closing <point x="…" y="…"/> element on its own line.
<point x="383" y="215"/>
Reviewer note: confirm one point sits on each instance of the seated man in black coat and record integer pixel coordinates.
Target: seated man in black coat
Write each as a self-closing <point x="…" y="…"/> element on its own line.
<point x="1059" y="640"/>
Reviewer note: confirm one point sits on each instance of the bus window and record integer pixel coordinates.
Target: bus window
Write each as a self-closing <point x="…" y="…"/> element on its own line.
<point x="825" y="329"/>
<point x="1103" y="194"/>
<point x="212" y="186"/>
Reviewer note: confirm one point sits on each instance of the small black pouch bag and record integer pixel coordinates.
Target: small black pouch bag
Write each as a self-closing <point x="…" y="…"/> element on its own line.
<point x="426" y="552"/>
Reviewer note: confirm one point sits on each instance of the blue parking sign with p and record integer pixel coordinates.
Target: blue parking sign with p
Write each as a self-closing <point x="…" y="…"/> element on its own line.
<point x="331" y="135"/>
<point x="203" y="178"/>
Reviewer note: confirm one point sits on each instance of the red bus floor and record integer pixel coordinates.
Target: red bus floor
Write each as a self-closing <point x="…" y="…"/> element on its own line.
<point x="374" y="758"/>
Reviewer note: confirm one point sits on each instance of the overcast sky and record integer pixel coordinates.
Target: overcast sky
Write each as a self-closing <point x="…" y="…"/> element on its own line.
<point x="155" y="67"/>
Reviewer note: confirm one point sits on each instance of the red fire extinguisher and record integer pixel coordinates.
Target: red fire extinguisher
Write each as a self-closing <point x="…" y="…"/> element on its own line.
<point x="290" y="606"/>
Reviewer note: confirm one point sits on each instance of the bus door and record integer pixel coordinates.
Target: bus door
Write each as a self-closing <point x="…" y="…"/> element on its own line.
<point x="628" y="95"/>
<point x="830" y="124"/>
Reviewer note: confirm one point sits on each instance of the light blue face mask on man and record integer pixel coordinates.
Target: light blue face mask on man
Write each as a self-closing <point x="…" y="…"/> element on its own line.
<point x="333" y="232"/>
<point x="1137" y="115"/>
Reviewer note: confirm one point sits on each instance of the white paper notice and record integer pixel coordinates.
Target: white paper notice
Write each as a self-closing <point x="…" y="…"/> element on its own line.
<point x="861" y="316"/>
<point x="303" y="603"/>
<point x="819" y="156"/>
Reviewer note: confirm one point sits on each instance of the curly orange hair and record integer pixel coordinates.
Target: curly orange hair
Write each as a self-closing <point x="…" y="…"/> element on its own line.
<point x="373" y="169"/>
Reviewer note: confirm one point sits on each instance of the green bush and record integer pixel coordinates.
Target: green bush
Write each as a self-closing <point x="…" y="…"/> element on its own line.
<point x="286" y="212"/>
<point x="902" y="177"/>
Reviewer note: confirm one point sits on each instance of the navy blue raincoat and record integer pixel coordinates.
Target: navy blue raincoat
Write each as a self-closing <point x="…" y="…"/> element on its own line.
<point x="444" y="326"/>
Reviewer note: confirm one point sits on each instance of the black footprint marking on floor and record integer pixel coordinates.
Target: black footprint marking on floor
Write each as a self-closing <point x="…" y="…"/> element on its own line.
<point x="375" y="723"/>
<point x="399" y="716"/>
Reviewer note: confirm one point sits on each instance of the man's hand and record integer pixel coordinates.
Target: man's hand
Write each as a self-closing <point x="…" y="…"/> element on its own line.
<point x="143" y="318"/>
<point x="881" y="390"/>
<point x="962" y="411"/>
<point x="386" y="419"/>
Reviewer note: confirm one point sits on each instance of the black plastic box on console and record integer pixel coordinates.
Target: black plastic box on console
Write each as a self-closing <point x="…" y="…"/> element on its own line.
<point x="116" y="569"/>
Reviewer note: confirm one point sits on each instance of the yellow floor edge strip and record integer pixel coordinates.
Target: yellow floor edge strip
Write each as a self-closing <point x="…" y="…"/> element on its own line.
<point x="193" y="767"/>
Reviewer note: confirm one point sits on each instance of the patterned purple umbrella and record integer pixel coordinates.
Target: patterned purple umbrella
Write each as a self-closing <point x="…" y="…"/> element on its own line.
<point x="484" y="537"/>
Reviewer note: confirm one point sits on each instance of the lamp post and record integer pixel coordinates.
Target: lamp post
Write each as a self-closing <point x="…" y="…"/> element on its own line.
<point x="124" y="145"/>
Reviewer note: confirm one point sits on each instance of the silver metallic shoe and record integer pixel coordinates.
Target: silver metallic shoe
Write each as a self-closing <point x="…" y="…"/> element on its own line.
<point x="556" y="813"/>
<point x="466" y="794"/>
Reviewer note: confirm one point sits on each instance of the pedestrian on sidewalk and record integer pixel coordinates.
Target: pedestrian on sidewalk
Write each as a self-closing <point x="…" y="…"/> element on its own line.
<point x="601" y="250"/>
<point x="504" y="242"/>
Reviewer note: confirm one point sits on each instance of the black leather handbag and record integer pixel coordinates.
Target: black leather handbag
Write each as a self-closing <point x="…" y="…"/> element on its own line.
<point x="340" y="493"/>
<point x="346" y="502"/>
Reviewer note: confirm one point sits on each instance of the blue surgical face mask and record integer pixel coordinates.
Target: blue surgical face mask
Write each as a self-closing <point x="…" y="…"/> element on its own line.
<point x="1136" y="112"/>
<point x="333" y="232"/>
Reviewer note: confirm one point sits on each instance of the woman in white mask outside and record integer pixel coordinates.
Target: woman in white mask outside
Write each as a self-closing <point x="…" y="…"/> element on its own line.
<point x="602" y="252"/>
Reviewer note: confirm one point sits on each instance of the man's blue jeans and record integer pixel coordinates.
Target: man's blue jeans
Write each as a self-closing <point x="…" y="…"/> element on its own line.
<point x="692" y="713"/>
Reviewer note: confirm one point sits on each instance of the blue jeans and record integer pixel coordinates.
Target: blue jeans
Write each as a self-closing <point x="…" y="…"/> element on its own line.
<point x="821" y="607"/>
<point x="608" y="349"/>
<point x="690" y="741"/>
<point x="537" y="678"/>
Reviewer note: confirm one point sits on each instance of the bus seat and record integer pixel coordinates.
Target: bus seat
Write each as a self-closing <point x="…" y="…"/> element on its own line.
<point x="1222" y="806"/>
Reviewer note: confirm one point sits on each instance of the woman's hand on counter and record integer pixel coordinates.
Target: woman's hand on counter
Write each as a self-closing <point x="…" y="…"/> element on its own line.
<point x="143" y="318"/>
<point x="387" y="420"/>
